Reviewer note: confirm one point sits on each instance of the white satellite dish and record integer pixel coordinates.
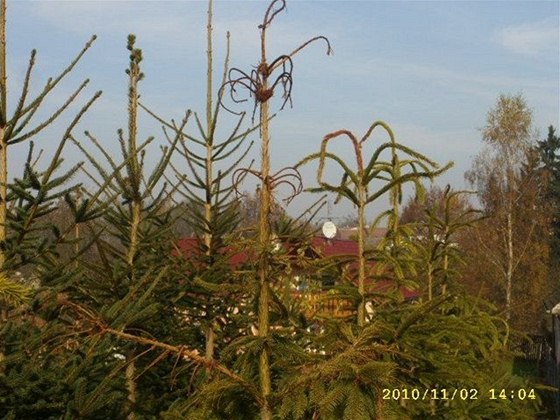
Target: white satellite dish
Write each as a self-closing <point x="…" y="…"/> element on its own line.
<point x="329" y="230"/>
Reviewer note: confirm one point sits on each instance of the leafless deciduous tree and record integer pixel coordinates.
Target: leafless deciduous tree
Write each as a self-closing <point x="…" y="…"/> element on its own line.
<point x="499" y="174"/>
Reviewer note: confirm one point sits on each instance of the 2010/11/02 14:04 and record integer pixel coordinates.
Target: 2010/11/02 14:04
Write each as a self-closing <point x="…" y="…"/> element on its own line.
<point x="457" y="393"/>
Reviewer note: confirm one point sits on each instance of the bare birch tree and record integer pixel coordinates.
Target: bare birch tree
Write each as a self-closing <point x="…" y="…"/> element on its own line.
<point x="496" y="176"/>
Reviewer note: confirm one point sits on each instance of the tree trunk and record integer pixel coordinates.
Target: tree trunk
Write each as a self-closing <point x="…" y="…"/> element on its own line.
<point x="3" y="191"/>
<point x="445" y="261"/>
<point x="131" y="388"/>
<point x="361" y="256"/>
<point x="264" y="244"/>
<point x="430" y="280"/>
<point x="509" y="269"/>
<point x="3" y="120"/>
<point x="135" y="208"/>
<point x="208" y="237"/>
<point x="3" y="153"/>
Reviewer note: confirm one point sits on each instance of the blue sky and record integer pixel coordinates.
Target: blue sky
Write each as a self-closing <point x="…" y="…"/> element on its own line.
<point x="431" y="70"/>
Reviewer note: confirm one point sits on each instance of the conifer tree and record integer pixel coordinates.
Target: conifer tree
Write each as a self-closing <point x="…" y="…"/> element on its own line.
<point x="211" y="208"/>
<point x="124" y="287"/>
<point x="453" y="340"/>
<point x="355" y="187"/>
<point x="358" y="355"/>
<point x="549" y="156"/>
<point x="131" y="280"/>
<point x="438" y="233"/>
<point x="449" y="342"/>
<point x="24" y="203"/>
<point x="136" y="215"/>
<point x="261" y="84"/>
<point x="18" y="128"/>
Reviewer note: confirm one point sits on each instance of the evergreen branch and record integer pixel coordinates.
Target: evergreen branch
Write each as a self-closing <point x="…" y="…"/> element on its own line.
<point x="197" y="177"/>
<point x="168" y="125"/>
<point x="154" y="362"/>
<point x="216" y="156"/>
<point x="199" y="185"/>
<point x="125" y="311"/>
<point x="224" y="199"/>
<point x="130" y="186"/>
<point x="233" y="136"/>
<point x="229" y="170"/>
<point x="206" y="136"/>
<point x="158" y="202"/>
<point x="100" y="392"/>
<point x="10" y="125"/>
<point x="189" y="154"/>
<point x="104" y="152"/>
<point x="386" y="171"/>
<point x="156" y="116"/>
<point x="406" y="178"/>
<point x="181" y="351"/>
<point x="54" y="197"/>
<point x="53" y="116"/>
<point x="12" y="293"/>
<point x="418" y="315"/>
<point x="220" y="91"/>
<point x="40" y="250"/>
<point x="51" y="84"/>
<point x="181" y="177"/>
<point x="164" y="161"/>
<point x="35" y="207"/>
<point x="66" y="136"/>
<point x="107" y="178"/>
<point x="394" y="147"/>
<point x="57" y="182"/>
<point x="92" y="178"/>
<point x="190" y="194"/>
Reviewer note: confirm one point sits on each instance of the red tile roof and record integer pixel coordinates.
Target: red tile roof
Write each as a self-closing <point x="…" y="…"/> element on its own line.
<point x="189" y="246"/>
<point x="333" y="247"/>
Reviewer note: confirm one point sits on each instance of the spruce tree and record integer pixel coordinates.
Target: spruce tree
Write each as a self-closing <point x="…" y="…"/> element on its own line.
<point x="18" y="128"/>
<point x="29" y="242"/>
<point x="212" y="211"/>
<point x="261" y="85"/>
<point x="355" y="187"/>
<point x="548" y="150"/>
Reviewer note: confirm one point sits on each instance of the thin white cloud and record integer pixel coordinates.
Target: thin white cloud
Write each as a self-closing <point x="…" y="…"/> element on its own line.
<point x="530" y="38"/>
<point x="471" y="83"/>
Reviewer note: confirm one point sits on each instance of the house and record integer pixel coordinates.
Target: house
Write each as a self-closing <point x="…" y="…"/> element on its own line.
<point x="311" y="283"/>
